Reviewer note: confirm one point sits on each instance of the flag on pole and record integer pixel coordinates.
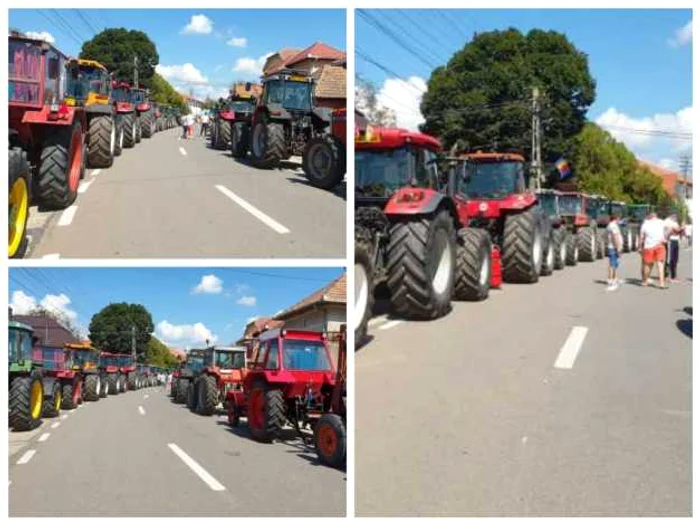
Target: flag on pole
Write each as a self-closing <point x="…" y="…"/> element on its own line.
<point x="563" y="167"/>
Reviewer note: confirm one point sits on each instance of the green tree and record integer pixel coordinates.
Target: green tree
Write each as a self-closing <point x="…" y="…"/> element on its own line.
<point x="482" y="96"/>
<point x="116" y="48"/>
<point x="113" y="327"/>
<point x="159" y="355"/>
<point x="164" y="93"/>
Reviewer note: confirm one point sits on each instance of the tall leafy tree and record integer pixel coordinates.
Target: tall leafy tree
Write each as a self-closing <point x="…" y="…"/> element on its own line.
<point x="116" y="49"/>
<point x="159" y="355"/>
<point x="163" y="93"/>
<point x="111" y="329"/>
<point x="482" y="96"/>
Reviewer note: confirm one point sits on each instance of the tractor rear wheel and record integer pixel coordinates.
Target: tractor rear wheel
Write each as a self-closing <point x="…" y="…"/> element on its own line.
<point x="52" y="404"/>
<point x="421" y="265"/>
<point x="239" y="140"/>
<point x="364" y="276"/>
<point x="122" y="383"/>
<point x="627" y="240"/>
<point x="266" y="412"/>
<point x="104" y="386"/>
<point x="132" y="382"/>
<point x="601" y="238"/>
<point x="147" y="124"/>
<point x="522" y="247"/>
<point x="548" y="257"/>
<point x="92" y="387"/>
<point x="587" y="244"/>
<point x="119" y="142"/>
<point x="102" y="141"/>
<point x="473" y="274"/>
<point x="560" y="248"/>
<point x="129" y="129"/>
<point x="223" y="134"/>
<point x="60" y="165"/>
<point x="138" y="129"/>
<point x="207" y="396"/>
<point x="26" y="401"/>
<point x="330" y="439"/>
<point x="192" y="396"/>
<point x="18" y="203"/>
<point x="113" y="384"/>
<point x="268" y="146"/>
<point x="323" y="162"/>
<point x="181" y="391"/>
<point x="70" y="393"/>
<point x="571" y="242"/>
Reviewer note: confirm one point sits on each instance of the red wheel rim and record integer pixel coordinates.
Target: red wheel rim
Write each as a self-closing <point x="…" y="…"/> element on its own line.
<point x="76" y="159"/>
<point x="256" y="412"/>
<point x="327" y="440"/>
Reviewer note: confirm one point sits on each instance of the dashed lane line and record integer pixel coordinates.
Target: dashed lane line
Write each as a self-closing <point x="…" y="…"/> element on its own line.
<point x="182" y="151"/>
<point x="44" y="437"/>
<point x="26" y="457"/>
<point x="95" y="172"/>
<point x="269" y="221"/>
<point x="572" y="346"/>
<point x="84" y="186"/>
<point x="390" y="324"/>
<point x="142" y="411"/>
<point x="196" y="468"/>
<point x="51" y="256"/>
<point x="56" y="425"/>
<point x="67" y="216"/>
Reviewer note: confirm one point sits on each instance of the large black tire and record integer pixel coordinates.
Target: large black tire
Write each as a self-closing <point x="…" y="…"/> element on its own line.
<point x="572" y="250"/>
<point x="267" y="145"/>
<point x="132" y="381"/>
<point x="139" y="131"/>
<point x="181" y="391"/>
<point x="207" y="396"/>
<point x="147" y="124"/>
<point x="523" y="241"/>
<point x="559" y="246"/>
<point x="273" y="413"/>
<point x="587" y="241"/>
<point x="548" y="256"/>
<point x="421" y="265"/>
<point x="239" y="139"/>
<point x="191" y="396"/>
<point x="67" y="390"/>
<point x="21" y="416"/>
<point x="52" y="402"/>
<point x="102" y="138"/>
<point x="473" y="265"/>
<point x="104" y="386"/>
<point x="330" y="439"/>
<point x="627" y="239"/>
<point x="113" y="383"/>
<point x="119" y="143"/>
<point x="602" y="243"/>
<point x="122" y="383"/>
<point x="92" y="387"/>
<point x="55" y="174"/>
<point x="323" y="162"/>
<point x="129" y="127"/>
<point x="223" y="134"/>
<point x="364" y="289"/>
<point x="20" y="198"/>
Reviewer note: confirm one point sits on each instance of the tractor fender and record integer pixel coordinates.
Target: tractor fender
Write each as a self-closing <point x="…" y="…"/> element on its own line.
<point x="44" y="116"/>
<point x="418" y="201"/>
<point x="236" y="398"/>
<point x="99" y="109"/>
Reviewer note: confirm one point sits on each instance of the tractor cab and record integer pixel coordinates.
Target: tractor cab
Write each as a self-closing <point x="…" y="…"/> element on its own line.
<point x="115" y="362"/>
<point x="549" y="201"/>
<point x="20" y="345"/>
<point x="226" y="358"/>
<point x="195" y="362"/>
<point x="286" y="93"/>
<point x="87" y="83"/>
<point x="55" y="359"/>
<point x="121" y="92"/>
<point x="84" y="356"/>
<point x="638" y="212"/>
<point x="598" y="210"/>
<point x="303" y="355"/>
<point x="491" y="176"/>
<point x="619" y="209"/>
<point x="138" y="96"/>
<point x="572" y="207"/>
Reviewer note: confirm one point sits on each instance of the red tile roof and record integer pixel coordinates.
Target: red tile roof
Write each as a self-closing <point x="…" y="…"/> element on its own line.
<point x="49" y="331"/>
<point x="317" y="50"/>
<point x="331" y="83"/>
<point x="333" y="293"/>
<point x="669" y="178"/>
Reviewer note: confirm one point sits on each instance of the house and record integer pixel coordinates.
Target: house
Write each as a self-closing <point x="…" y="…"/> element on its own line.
<point x="331" y="87"/>
<point x="49" y="331"/>
<point x="239" y="90"/>
<point x="277" y="61"/>
<point x="178" y="353"/>
<point x="253" y="330"/>
<point x="673" y="182"/>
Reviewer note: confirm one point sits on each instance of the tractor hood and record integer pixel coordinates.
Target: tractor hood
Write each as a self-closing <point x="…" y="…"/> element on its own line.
<point x="494" y="208"/>
<point x="125" y="107"/>
<point x="295" y="383"/>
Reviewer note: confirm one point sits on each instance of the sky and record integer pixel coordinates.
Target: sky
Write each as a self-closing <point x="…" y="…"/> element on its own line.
<point x="202" y="50"/>
<point x="641" y="60"/>
<point x="188" y="305"/>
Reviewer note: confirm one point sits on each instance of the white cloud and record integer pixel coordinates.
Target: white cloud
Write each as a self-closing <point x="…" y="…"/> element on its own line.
<point x="184" y="333"/>
<point x="182" y="74"/>
<point x="23" y="304"/>
<point x="403" y="100"/>
<point x="209" y="284"/>
<point x="247" y="300"/>
<point x="251" y="67"/>
<point x="238" y="42"/>
<point x="41" y="35"/>
<point x="199" y="25"/>
<point x="682" y="36"/>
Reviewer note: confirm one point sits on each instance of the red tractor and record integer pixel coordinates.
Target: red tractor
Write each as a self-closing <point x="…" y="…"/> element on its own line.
<point x="111" y="364"/>
<point x="324" y="157"/>
<point x="86" y="359"/>
<point x="573" y="209"/>
<point x="229" y="124"/>
<point x="290" y="379"/>
<point x="492" y="194"/>
<point x="46" y="136"/>
<point x="127" y="118"/>
<point x="127" y="368"/>
<point x="63" y="381"/>
<point x="410" y="233"/>
<point x="145" y="111"/>
<point x="224" y="370"/>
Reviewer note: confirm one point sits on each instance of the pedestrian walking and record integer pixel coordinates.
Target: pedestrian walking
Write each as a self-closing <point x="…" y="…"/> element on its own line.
<point x="184" y="121"/>
<point x="614" y="248"/>
<point x="652" y="245"/>
<point x="190" y="127"/>
<point x="204" y="129"/>
<point x="672" y="231"/>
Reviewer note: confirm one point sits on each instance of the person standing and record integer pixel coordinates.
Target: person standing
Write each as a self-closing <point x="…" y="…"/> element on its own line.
<point x="652" y="245"/>
<point x="204" y="129"/>
<point x="614" y="248"/>
<point x="184" y="120"/>
<point x="672" y="231"/>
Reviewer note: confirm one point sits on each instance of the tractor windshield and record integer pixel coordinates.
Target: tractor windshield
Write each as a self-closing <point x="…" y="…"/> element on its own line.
<point x="618" y="209"/>
<point x="291" y="95"/>
<point x="597" y="208"/>
<point x="25" y="72"/>
<point x="639" y="213"/>
<point x="19" y="345"/>
<point x="138" y="95"/>
<point x="226" y="359"/>
<point x="490" y="180"/>
<point x="121" y="95"/>
<point x="83" y="357"/>
<point x="125" y="361"/>
<point x="84" y="80"/>
<point x="569" y="205"/>
<point x="548" y="201"/>
<point x="195" y="362"/>
<point x="108" y="361"/>
<point x="305" y="355"/>
<point x="241" y="106"/>
<point x="379" y="173"/>
<point x="53" y="358"/>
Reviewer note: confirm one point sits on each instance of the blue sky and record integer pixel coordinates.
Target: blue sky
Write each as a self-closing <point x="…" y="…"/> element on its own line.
<point x="188" y="305"/>
<point x="641" y="59"/>
<point x="205" y="50"/>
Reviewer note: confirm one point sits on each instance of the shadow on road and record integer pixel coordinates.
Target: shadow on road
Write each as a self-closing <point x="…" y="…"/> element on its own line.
<point x="340" y="191"/>
<point x="686" y="325"/>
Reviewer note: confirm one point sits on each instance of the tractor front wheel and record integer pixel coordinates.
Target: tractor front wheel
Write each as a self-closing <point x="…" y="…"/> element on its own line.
<point x="268" y="146"/>
<point x="421" y="265"/>
<point x="119" y="142"/>
<point x="102" y="135"/>
<point x="473" y="279"/>
<point x="548" y="257"/>
<point x="52" y="404"/>
<point x="71" y="392"/>
<point x="571" y="249"/>
<point x="207" y="396"/>
<point x="92" y="387"/>
<point x="602" y="243"/>
<point x="122" y="383"/>
<point x="139" y="131"/>
<point x="522" y="248"/>
<point x="181" y="391"/>
<point x="129" y="130"/>
<point x="18" y="203"/>
<point x="113" y="384"/>
<point x="104" y="386"/>
<point x="239" y="140"/>
<point x="265" y="412"/>
<point x="330" y="439"/>
<point x="60" y="165"/>
<point x="192" y="396"/>
<point x="560" y="248"/>
<point x="323" y="162"/>
<point x="26" y="401"/>
<point x="223" y="134"/>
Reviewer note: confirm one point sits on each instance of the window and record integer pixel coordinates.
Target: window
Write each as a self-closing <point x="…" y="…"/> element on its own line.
<point x="379" y="173"/>
<point x="305" y="355"/>
<point x="26" y="345"/>
<point x="272" y="362"/>
<point x="13" y="344"/>
<point x="52" y="86"/>
<point x="490" y="180"/>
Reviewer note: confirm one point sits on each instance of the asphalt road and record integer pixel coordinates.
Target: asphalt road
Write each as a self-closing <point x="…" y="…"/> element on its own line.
<point x="178" y="198"/>
<point x="469" y="416"/>
<point x="112" y="458"/>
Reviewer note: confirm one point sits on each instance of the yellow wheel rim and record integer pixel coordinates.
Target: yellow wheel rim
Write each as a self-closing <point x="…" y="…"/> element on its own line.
<point x="36" y="397"/>
<point x="57" y="402"/>
<point x="17" y="215"/>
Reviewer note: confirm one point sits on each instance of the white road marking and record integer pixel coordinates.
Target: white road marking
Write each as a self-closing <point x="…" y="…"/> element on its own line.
<point x="56" y="425"/>
<point x="143" y="412"/>
<point x="80" y="406"/>
<point x="146" y="396"/>
<point x="95" y="172"/>
<point x="253" y="210"/>
<point x="571" y="348"/>
<point x="390" y="324"/>
<point x="29" y="454"/>
<point x="67" y="216"/>
<point x="196" y="468"/>
<point x="182" y="150"/>
<point x="376" y="321"/>
<point x="44" y="437"/>
<point x="84" y="186"/>
<point x="64" y="417"/>
<point x="52" y="256"/>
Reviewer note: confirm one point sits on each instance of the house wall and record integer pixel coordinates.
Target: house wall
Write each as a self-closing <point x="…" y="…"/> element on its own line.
<point x="333" y="103"/>
<point x="325" y="319"/>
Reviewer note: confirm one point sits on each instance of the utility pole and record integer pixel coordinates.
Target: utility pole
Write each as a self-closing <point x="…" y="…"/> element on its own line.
<point x="133" y="341"/>
<point x="136" y="72"/>
<point x="686" y="170"/>
<point x="536" y="155"/>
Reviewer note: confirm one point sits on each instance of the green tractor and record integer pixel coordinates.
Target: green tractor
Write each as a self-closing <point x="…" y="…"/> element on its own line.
<point x="26" y="378"/>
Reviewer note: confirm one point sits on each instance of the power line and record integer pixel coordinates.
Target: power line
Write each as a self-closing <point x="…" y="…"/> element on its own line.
<point x="393" y="74"/>
<point x="425" y="30"/>
<point x="86" y="21"/>
<point x="653" y="132"/>
<point x="69" y="27"/>
<point x="54" y="24"/>
<point x="434" y="55"/>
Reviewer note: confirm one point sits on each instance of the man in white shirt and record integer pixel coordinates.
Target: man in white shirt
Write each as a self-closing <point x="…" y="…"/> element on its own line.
<point x="652" y="245"/>
<point x="204" y="125"/>
<point x="614" y="248"/>
<point x="672" y="230"/>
